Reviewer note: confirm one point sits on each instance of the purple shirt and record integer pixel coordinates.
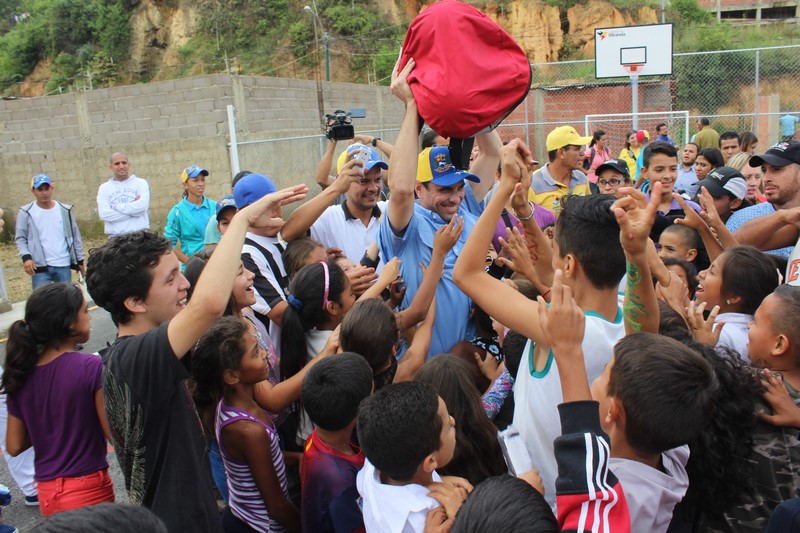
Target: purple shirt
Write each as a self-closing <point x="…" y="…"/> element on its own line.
<point x="543" y="217"/>
<point x="57" y="405"/>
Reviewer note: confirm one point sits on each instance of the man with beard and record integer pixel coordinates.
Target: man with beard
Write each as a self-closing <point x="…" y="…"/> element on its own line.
<point x="352" y="226"/>
<point x="687" y="178"/>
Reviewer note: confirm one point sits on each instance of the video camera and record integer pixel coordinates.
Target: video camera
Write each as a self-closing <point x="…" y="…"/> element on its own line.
<point x="339" y="127"/>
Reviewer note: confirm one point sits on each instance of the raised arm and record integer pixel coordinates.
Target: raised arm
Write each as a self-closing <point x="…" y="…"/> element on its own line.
<point x="323" y="173"/>
<point x="485" y="165"/>
<point x="636" y="216"/>
<point x="500" y="301"/>
<point x="402" y="173"/>
<point x="380" y="144"/>
<point x="304" y="216"/>
<point x="776" y="230"/>
<point x="694" y="220"/>
<point x="211" y="296"/>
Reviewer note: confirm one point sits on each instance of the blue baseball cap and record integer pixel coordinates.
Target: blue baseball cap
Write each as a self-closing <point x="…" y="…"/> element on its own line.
<point x="252" y="188"/>
<point x="192" y="172"/>
<point x="370" y="162"/>
<point x="39" y="180"/>
<point x="225" y="203"/>
<point x="434" y="165"/>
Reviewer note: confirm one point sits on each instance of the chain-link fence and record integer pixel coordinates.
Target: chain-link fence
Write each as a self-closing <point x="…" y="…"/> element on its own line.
<point x="739" y="90"/>
<point x="291" y="160"/>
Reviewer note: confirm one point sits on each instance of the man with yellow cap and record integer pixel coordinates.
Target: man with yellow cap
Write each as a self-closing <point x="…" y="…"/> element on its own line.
<point x="562" y="175"/>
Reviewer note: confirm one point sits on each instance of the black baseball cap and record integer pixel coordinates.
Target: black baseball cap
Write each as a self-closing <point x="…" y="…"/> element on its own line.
<point x="779" y="155"/>
<point x="614" y="164"/>
<point x="725" y="181"/>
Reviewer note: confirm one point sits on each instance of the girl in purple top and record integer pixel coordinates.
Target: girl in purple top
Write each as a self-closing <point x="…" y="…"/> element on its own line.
<point x="55" y="400"/>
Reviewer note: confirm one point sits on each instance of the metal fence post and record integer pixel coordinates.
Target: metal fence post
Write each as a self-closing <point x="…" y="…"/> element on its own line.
<point x="234" y="146"/>
<point x="755" y="90"/>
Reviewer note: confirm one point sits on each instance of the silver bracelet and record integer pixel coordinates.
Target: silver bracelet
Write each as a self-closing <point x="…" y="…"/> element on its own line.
<point x="523" y="219"/>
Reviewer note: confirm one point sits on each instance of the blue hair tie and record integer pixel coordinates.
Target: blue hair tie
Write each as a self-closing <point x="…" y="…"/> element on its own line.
<point x="295" y="303"/>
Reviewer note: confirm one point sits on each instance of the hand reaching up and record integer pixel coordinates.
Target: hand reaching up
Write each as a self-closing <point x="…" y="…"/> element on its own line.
<point x="635" y="215"/>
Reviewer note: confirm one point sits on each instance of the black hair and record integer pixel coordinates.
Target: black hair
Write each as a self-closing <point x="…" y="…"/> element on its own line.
<point x="505" y="503"/>
<point x="785" y="321"/>
<point x="50" y="312"/>
<point x="238" y="176"/>
<point x="667" y="390"/>
<point x="691" y="238"/>
<point x="477" y="454"/>
<point x="689" y="268"/>
<point x="658" y="147"/>
<point x="729" y="135"/>
<point x="307" y="290"/>
<point x="428" y="137"/>
<point x="588" y="229"/>
<point x="296" y="254"/>
<point x="219" y="349"/>
<point x="713" y="156"/>
<point x="671" y="324"/>
<point x="370" y="329"/>
<point x="697" y="146"/>
<point x="749" y="274"/>
<point x="596" y="137"/>
<point x="334" y="388"/>
<point x="103" y="518"/>
<point x="123" y="268"/>
<point x="194" y="267"/>
<point x="627" y="137"/>
<point x="719" y="467"/>
<point x="513" y="348"/>
<point x="660" y="125"/>
<point x="551" y="154"/>
<point x="398" y="427"/>
<point x="747" y="140"/>
<point x="704" y="121"/>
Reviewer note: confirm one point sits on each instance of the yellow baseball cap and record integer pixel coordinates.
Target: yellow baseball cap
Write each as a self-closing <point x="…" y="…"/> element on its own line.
<point x="565" y="136"/>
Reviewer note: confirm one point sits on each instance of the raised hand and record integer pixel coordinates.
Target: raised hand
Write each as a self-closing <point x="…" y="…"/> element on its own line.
<point x="361" y="278"/>
<point x="520" y="260"/>
<point x="515" y="161"/>
<point x="261" y="214"/>
<point x="704" y="330"/>
<point x="691" y="218"/>
<point x="635" y="215"/>
<point x="399" y="86"/>
<point x="447" y="236"/>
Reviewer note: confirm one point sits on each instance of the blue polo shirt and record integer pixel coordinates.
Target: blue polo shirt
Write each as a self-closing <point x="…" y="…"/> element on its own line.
<point x="414" y="246"/>
<point x="747" y="214"/>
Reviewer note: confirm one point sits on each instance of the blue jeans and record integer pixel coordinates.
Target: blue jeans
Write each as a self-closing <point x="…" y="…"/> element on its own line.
<point x="53" y="275"/>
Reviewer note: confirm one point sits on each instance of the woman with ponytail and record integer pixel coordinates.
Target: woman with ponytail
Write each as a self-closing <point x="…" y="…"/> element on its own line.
<point x="55" y="400"/>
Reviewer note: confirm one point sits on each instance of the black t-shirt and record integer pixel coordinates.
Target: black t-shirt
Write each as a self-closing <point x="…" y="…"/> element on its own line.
<point x="156" y="432"/>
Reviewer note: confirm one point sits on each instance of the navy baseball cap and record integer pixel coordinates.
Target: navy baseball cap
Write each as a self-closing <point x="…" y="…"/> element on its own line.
<point x="225" y="203"/>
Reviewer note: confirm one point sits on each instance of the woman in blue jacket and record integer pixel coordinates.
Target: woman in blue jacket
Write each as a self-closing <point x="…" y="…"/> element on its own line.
<point x="187" y="220"/>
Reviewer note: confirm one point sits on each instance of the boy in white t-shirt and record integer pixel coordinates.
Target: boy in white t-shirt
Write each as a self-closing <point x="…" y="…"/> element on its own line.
<point x="405" y="433"/>
<point x="592" y="253"/>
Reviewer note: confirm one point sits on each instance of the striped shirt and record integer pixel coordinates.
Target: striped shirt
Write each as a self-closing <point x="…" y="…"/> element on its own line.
<point x="245" y="500"/>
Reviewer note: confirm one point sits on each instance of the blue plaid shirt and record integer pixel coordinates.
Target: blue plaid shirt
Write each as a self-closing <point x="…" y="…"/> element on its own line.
<point x="749" y="213"/>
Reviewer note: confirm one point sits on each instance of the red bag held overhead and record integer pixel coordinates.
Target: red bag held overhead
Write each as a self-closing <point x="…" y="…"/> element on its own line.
<point x="469" y="73"/>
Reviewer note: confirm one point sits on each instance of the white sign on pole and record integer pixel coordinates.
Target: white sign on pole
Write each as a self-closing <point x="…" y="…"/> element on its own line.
<point x="617" y="48"/>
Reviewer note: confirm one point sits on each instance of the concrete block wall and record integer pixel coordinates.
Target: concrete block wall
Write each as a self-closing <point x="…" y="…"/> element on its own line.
<point x="163" y="127"/>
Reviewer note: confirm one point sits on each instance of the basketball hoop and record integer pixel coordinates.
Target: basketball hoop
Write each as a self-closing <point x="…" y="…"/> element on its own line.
<point x="633" y="70"/>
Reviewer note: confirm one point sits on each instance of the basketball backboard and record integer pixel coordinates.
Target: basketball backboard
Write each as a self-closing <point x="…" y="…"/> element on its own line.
<point x="649" y="46"/>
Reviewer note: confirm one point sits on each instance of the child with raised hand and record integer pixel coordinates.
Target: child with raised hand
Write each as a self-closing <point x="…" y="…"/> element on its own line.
<point x="406" y="433"/>
<point x="732" y="287"/>
<point x="332" y="392"/>
<point x="258" y="490"/>
<point x="55" y="400"/>
<point x="586" y="248"/>
<point x="477" y="455"/>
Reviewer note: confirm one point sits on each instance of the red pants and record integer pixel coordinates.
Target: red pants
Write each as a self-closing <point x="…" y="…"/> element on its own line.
<point x="65" y="493"/>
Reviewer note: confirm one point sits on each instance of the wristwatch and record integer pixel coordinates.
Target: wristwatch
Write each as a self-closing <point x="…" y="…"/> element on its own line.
<point x="375" y="141"/>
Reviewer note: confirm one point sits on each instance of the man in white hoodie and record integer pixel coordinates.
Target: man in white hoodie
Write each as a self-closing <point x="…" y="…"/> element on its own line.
<point x="122" y="201"/>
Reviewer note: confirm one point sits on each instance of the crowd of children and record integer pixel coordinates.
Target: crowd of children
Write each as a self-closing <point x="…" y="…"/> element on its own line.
<point x="642" y="368"/>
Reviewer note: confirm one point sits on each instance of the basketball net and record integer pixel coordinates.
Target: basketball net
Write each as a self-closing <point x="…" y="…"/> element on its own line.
<point x="633" y="70"/>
